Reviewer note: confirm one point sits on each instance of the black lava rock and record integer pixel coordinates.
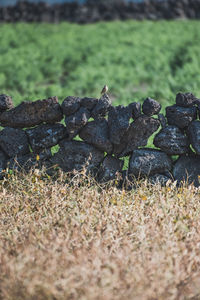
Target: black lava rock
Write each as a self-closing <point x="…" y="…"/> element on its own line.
<point x="70" y="105"/>
<point x="89" y="103"/>
<point x="29" y="114"/>
<point x="193" y="133"/>
<point x="29" y="161"/>
<point x="110" y="166"/>
<point x="137" y="135"/>
<point x="162" y="119"/>
<point x="45" y="136"/>
<point x="172" y="141"/>
<point x="187" y="169"/>
<point x="136" y="109"/>
<point x="76" y="156"/>
<point x="151" y="107"/>
<point x="185" y="99"/>
<point x="14" y="142"/>
<point x="102" y="107"/>
<point x="146" y="162"/>
<point x="180" y="116"/>
<point x="118" y="122"/>
<point x="5" y="102"/>
<point x="96" y="133"/>
<point x="75" y="122"/>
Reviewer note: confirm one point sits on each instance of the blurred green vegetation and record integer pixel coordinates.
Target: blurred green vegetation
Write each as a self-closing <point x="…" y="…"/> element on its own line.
<point x="135" y="59"/>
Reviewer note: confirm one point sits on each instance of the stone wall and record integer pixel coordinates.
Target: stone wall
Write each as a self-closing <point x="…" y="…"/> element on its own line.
<point x="94" y="11"/>
<point x="106" y="134"/>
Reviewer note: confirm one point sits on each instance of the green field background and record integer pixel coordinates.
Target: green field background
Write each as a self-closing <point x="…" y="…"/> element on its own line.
<point x="135" y="59"/>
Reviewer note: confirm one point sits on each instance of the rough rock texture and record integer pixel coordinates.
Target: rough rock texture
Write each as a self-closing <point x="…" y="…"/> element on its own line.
<point x="75" y="155"/>
<point x="193" y="132"/>
<point x="3" y="163"/>
<point x="96" y="133"/>
<point x="5" y="102"/>
<point x="180" y="116"/>
<point x="137" y="135"/>
<point x="89" y="103"/>
<point x="70" y="105"/>
<point x="110" y="166"/>
<point x="29" y="161"/>
<point x="14" y="141"/>
<point x="187" y="169"/>
<point x="45" y="136"/>
<point x="146" y="162"/>
<point x="172" y="141"/>
<point x="102" y="107"/>
<point x="162" y="119"/>
<point x="76" y="121"/>
<point x="151" y="107"/>
<point x="28" y="114"/>
<point x="159" y="179"/>
<point x="136" y="109"/>
<point x="118" y="122"/>
<point x="185" y="99"/>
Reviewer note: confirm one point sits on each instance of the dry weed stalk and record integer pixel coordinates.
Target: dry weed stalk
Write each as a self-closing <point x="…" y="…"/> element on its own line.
<point x="64" y="238"/>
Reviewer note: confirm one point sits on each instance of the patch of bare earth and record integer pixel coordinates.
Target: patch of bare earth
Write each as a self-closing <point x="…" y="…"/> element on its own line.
<point x="72" y="239"/>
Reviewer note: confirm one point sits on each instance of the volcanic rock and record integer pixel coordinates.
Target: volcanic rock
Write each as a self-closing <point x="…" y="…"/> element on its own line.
<point x="89" y="103"/>
<point x="14" y="141"/>
<point x="76" y="121"/>
<point x="96" y="133"/>
<point x="159" y="179"/>
<point x="187" y="169"/>
<point x="193" y="132"/>
<point x="70" y="105"/>
<point x="180" y="116"/>
<point x="29" y="161"/>
<point x="118" y="122"/>
<point x="146" y="162"/>
<point x="136" y="109"/>
<point x="75" y="155"/>
<point x="162" y="119"/>
<point x="3" y="163"/>
<point x="102" y="107"/>
<point x="151" y="107"/>
<point x="185" y="99"/>
<point x="29" y="114"/>
<point x="5" y="102"/>
<point x="45" y="136"/>
<point x="110" y="166"/>
<point x="137" y="135"/>
<point x="172" y="141"/>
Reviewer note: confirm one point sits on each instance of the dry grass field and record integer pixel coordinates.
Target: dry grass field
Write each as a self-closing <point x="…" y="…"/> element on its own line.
<point x="84" y="241"/>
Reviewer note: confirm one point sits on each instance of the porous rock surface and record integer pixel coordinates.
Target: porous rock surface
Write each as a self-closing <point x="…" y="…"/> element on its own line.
<point x="76" y="156"/>
<point x="108" y="133"/>
<point x="28" y="114"/>
<point x="5" y="102"/>
<point x="31" y="160"/>
<point x="96" y="133"/>
<point x="110" y="166"/>
<point x="187" y="169"/>
<point x="180" y="116"/>
<point x="146" y="162"/>
<point x="172" y="141"/>
<point x="13" y="141"/>
<point x="151" y="107"/>
<point x="137" y="135"/>
<point x="118" y="122"/>
<point x="193" y="132"/>
<point x="45" y="136"/>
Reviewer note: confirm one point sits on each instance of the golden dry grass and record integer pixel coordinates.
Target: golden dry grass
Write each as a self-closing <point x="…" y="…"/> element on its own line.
<point x="79" y="241"/>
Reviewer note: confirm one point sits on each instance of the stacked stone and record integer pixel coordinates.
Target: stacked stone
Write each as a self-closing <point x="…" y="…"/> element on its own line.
<point x="94" y="11"/>
<point x="108" y="135"/>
